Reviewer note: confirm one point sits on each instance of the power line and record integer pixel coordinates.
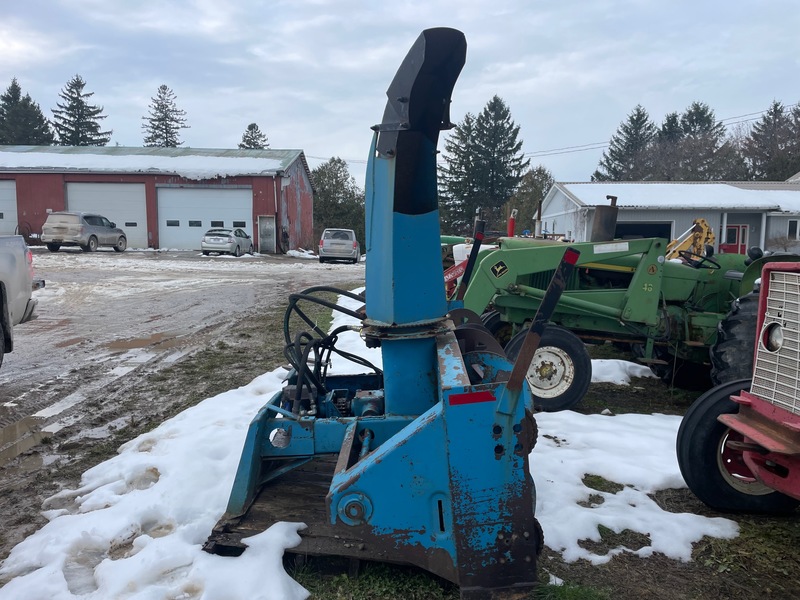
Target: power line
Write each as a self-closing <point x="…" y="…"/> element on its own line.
<point x="568" y="150"/>
<point x="575" y="148"/>
<point x="598" y="145"/>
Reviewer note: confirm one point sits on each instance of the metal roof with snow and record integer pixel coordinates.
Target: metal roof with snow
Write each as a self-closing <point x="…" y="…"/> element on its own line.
<point x="732" y="196"/>
<point x="190" y="163"/>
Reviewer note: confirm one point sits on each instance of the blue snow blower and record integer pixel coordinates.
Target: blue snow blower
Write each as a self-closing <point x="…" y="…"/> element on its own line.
<point x="424" y="462"/>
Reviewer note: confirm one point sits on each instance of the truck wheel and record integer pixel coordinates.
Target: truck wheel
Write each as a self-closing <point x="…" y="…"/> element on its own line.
<point x="732" y="353"/>
<point x="53" y="247"/>
<point x="716" y="474"/>
<point x="560" y="371"/>
<point x="121" y="244"/>
<point x="502" y="331"/>
<point x="91" y="245"/>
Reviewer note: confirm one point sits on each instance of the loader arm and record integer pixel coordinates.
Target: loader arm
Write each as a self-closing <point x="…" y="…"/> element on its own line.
<point x="504" y="271"/>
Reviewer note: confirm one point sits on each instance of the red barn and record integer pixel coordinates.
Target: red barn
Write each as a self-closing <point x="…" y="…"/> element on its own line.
<point x="162" y="197"/>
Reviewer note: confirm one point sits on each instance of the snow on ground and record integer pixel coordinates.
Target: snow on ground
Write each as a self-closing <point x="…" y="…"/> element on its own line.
<point x="135" y="527"/>
<point x="605" y="370"/>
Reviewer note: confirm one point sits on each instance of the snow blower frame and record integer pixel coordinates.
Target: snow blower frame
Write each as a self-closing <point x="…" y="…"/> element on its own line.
<point x="425" y="462"/>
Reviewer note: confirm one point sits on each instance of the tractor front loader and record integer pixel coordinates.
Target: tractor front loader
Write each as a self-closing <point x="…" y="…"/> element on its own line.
<point x="426" y="461"/>
<point x="669" y="311"/>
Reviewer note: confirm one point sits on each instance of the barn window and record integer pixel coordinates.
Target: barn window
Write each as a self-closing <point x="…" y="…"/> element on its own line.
<point x="792" y="229"/>
<point x="131" y="224"/>
<point x="173" y="223"/>
<point x="239" y="224"/>
<point x="218" y="223"/>
<point x="1" y="215"/>
<point x="195" y="223"/>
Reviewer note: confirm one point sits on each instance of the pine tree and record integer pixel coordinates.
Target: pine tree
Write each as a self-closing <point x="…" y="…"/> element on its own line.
<point x="628" y="157"/>
<point x="771" y="148"/>
<point x="21" y="119"/>
<point x="704" y="154"/>
<point x="164" y="121"/>
<point x="458" y="197"/>
<point x="794" y="146"/>
<point x="76" y="121"/>
<point x="338" y="201"/>
<point x="253" y="139"/>
<point x="498" y="162"/>
<point x="665" y="148"/>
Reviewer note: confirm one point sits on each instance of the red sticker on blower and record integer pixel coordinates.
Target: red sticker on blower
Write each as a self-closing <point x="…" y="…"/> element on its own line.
<point x="472" y="398"/>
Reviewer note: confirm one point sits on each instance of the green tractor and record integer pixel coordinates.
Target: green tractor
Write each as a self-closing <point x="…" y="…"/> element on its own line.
<point x="674" y="314"/>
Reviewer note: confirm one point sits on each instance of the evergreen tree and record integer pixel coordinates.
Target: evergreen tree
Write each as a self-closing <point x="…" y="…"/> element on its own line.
<point x="458" y="188"/>
<point x="703" y="153"/>
<point x="665" y="149"/>
<point x="498" y="161"/>
<point x="338" y="201"/>
<point x="771" y="148"/>
<point x="21" y="119"/>
<point x="75" y="120"/>
<point x="253" y="139"/>
<point x="165" y="120"/>
<point x="533" y="187"/>
<point x="795" y="137"/>
<point x="628" y="157"/>
<point x="483" y="165"/>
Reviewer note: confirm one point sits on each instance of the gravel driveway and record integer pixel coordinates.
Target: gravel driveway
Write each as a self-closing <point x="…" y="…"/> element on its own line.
<point x="107" y="320"/>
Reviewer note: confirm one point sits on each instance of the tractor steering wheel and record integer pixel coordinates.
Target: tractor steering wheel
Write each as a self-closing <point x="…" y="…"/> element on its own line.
<point x="698" y="260"/>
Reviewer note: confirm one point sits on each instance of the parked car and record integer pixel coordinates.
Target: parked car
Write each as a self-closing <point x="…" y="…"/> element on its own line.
<point x="87" y="230"/>
<point x="226" y="241"/>
<point x="339" y="244"/>
<point x="17" y="281"/>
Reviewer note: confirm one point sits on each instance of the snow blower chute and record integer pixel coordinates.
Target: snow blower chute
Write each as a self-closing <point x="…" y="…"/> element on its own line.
<point x="425" y="461"/>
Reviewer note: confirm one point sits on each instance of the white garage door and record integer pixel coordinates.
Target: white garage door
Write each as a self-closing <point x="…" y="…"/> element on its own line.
<point x="123" y="203"/>
<point x="8" y="207"/>
<point x="184" y="214"/>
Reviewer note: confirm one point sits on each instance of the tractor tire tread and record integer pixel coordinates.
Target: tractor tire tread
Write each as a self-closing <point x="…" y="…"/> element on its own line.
<point x="732" y="354"/>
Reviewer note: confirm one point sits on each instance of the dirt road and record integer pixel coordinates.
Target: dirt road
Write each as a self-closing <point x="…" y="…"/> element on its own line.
<point x="108" y="319"/>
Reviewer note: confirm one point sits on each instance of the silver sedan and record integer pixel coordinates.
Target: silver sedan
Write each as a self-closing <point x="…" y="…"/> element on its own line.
<point x="226" y="241"/>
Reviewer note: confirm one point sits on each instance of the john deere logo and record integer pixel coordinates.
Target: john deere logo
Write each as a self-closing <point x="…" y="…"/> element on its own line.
<point x="499" y="269"/>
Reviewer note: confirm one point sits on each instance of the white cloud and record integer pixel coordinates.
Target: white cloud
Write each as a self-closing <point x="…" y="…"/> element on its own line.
<point x="23" y="48"/>
<point x="313" y="73"/>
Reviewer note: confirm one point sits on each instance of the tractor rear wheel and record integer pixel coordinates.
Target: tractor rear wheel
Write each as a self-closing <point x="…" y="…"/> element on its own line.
<point x="502" y="331"/>
<point x="715" y="473"/>
<point x="561" y="370"/>
<point x="732" y="354"/>
<point x="674" y="371"/>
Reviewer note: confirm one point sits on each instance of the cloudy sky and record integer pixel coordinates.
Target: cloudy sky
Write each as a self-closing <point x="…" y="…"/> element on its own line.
<point x="313" y="73"/>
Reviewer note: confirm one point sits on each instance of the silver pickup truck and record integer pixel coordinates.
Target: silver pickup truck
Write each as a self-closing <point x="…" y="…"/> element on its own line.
<point x="17" y="283"/>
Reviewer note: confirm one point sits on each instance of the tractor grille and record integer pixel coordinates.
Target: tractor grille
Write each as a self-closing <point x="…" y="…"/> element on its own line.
<point x="776" y="374"/>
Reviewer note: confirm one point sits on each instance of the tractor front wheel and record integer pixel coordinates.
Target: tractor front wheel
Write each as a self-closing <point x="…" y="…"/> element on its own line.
<point x="561" y="370"/>
<point x="715" y="472"/>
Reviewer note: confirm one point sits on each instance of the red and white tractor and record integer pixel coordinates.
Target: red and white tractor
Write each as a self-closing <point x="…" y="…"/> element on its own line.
<point x="739" y="443"/>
